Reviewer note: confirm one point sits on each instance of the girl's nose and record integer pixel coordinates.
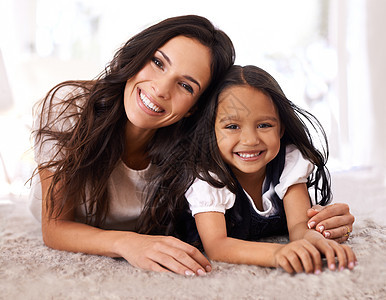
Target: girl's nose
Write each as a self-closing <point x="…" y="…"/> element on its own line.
<point x="162" y="87"/>
<point x="249" y="137"/>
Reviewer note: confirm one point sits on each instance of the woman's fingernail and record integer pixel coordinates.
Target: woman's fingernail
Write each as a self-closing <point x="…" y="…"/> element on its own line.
<point x="311" y="224"/>
<point x="327" y="234"/>
<point x="351" y="265"/>
<point x="201" y="272"/>
<point x="208" y="268"/>
<point x="317" y="272"/>
<point x="321" y="228"/>
<point x="189" y="273"/>
<point x="341" y="268"/>
<point x="332" y="267"/>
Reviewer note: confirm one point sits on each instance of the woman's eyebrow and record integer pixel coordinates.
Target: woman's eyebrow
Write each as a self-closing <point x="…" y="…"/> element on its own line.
<point x="190" y="78"/>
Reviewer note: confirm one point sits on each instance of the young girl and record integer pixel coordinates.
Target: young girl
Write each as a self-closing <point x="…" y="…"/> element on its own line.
<point x="253" y="159"/>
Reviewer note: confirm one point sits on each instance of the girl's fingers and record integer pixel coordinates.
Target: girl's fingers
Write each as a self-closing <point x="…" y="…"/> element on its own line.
<point x="300" y="258"/>
<point x="316" y="258"/>
<point x="296" y="262"/>
<point x="351" y="257"/>
<point x="285" y="264"/>
<point x="325" y="248"/>
<point x="341" y="255"/>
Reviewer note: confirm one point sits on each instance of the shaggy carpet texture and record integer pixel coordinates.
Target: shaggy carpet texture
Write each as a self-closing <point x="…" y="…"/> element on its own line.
<point x="30" y="270"/>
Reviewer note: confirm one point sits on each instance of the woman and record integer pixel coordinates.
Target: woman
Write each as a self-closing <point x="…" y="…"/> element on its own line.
<point x="93" y="139"/>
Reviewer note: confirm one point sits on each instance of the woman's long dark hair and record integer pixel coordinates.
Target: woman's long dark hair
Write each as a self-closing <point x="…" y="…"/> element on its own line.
<point x="198" y="155"/>
<point x="90" y="149"/>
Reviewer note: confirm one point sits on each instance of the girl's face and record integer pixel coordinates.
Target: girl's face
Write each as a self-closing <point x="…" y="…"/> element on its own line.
<point x="248" y="130"/>
<point x="168" y="85"/>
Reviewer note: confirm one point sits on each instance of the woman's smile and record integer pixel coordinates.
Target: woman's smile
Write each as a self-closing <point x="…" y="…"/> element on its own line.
<point x="149" y="104"/>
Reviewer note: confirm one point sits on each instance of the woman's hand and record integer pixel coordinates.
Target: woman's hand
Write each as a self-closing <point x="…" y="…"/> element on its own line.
<point x="299" y="256"/>
<point x="333" y="221"/>
<point x="332" y="249"/>
<point x="163" y="254"/>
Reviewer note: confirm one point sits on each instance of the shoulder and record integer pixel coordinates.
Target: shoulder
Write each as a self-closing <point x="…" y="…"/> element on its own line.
<point x="295" y="162"/>
<point x="296" y="170"/>
<point x="203" y="197"/>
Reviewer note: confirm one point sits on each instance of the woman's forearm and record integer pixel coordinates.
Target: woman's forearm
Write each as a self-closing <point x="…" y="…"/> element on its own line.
<point x="78" y="237"/>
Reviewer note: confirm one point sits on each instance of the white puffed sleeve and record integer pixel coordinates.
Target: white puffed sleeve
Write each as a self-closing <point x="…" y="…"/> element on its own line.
<point x="296" y="170"/>
<point x="203" y="197"/>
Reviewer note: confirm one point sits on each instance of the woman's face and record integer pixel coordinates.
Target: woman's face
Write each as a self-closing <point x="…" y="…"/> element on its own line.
<point x="168" y="85"/>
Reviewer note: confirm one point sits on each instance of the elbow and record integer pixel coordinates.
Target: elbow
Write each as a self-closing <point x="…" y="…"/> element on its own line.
<point x="47" y="240"/>
<point x="217" y="251"/>
<point x="48" y="234"/>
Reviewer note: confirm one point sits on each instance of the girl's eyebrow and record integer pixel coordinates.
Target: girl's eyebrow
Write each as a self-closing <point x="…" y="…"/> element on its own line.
<point x="190" y="78"/>
<point x="228" y="118"/>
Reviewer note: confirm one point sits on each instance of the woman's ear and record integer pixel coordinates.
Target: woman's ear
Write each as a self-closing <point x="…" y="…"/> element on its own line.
<point x="191" y="111"/>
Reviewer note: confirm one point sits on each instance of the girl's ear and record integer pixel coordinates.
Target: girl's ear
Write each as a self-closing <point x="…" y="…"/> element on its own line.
<point x="282" y="129"/>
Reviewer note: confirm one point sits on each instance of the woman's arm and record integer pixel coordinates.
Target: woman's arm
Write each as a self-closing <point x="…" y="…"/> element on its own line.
<point x="157" y="253"/>
<point x="335" y="221"/>
<point x="297" y="256"/>
<point x="296" y="204"/>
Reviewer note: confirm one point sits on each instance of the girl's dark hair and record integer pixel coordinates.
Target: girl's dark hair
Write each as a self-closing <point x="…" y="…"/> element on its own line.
<point x="90" y="149"/>
<point x="198" y="155"/>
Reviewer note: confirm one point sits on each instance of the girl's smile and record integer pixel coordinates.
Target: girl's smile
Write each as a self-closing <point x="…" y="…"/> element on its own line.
<point x="249" y="155"/>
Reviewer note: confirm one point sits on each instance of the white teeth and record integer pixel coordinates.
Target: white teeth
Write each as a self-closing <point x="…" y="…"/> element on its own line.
<point x="149" y="104"/>
<point x="248" y="155"/>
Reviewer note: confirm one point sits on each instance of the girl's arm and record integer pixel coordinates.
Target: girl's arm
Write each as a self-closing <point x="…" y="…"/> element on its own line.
<point x="296" y="204"/>
<point x="157" y="253"/>
<point x="293" y="257"/>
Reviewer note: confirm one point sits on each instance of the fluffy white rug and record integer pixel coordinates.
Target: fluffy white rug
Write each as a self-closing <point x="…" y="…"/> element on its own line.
<point x="30" y="270"/>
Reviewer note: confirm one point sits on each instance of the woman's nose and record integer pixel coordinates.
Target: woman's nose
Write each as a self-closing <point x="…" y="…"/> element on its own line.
<point x="162" y="87"/>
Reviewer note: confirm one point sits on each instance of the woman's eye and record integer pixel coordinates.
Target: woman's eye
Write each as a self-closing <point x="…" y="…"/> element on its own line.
<point x="187" y="87"/>
<point x="232" y="126"/>
<point x="157" y="62"/>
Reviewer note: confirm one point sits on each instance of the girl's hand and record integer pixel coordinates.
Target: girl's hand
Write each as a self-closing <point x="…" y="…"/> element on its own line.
<point x="332" y="249"/>
<point x="163" y="254"/>
<point x="299" y="256"/>
<point x="333" y="221"/>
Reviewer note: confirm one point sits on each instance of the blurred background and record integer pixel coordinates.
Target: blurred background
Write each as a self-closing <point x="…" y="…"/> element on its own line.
<point x="329" y="56"/>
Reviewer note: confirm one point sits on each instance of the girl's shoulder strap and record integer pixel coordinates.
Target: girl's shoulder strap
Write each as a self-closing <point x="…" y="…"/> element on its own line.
<point x="275" y="169"/>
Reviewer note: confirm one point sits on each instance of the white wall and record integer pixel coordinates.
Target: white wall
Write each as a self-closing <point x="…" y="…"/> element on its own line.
<point x="337" y="76"/>
<point x="376" y="56"/>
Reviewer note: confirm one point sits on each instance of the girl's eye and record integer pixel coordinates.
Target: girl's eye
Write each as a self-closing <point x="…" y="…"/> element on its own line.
<point x="157" y="62"/>
<point x="232" y="126"/>
<point x="187" y="87"/>
<point x="264" y="125"/>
